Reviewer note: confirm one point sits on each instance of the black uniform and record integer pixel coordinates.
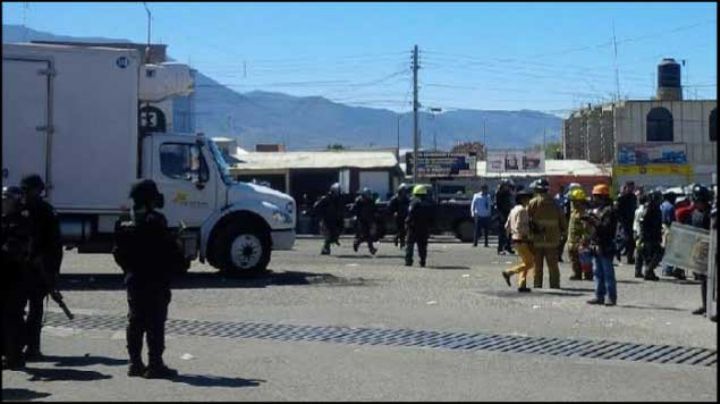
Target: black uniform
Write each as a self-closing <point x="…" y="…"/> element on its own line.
<point x="419" y="222"/>
<point x="16" y="257"/>
<point x="651" y="238"/>
<point x="398" y="206"/>
<point x="701" y="219"/>
<point x="48" y="249"/>
<point x="148" y="255"/>
<point x="330" y="209"/>
<point x="626" y="206"/>
<point x="364" y="211"/>
<point x="504" y="202"/>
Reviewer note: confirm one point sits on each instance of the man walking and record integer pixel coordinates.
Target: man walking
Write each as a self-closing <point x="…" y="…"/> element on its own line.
<point x="398" y="206"/>
<point x="330" y="210"/>
<point x="480" y="210"/>
<point x="419" y="222"/>
<point x="518" y="227"/>
<point x="149" y="256"/>
<point x="364" y="211"/>
<point x="547" y="225"/>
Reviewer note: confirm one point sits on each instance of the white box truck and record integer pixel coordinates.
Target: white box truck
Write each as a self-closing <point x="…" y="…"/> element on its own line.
<point x="71" y="115"/>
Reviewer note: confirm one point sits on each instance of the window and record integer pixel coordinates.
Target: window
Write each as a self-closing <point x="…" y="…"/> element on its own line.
<point x="713" y="125"/>
<point x="183" y="162"/>
<point x="659" y="125"/>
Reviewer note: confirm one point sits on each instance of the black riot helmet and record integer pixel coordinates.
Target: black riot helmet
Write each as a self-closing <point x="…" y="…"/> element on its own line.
<point x="146" y="193"/>
<point x="32" y="182"/>
<point x="540" y="186"/>
<point x="700" y="193"/>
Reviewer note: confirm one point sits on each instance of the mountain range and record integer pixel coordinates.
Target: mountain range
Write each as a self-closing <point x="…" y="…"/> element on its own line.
<point x="311" y="123"/>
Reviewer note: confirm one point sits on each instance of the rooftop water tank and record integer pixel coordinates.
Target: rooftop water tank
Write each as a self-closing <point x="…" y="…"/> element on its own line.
<point x="669" y="81"/>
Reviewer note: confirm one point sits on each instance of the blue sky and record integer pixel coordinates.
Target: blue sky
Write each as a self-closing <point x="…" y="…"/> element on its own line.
<point x="543" y="56"/>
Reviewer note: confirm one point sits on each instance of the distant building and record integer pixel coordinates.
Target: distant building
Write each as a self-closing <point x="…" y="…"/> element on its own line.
<point x="666" y="125"/>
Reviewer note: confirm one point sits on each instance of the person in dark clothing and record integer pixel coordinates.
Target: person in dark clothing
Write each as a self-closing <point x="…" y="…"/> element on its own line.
<point x="330" y="209"/>
<point x="604" y="220"/>
<point x="149" y="255"/>
<point x="419" y="222"/>
<point x="398" y="206"/>
<point x="364" y="211"/>
<point x="700" y="218"/>
<point x="626" y="206"/>
<point x="504" y="202"/>
<point x="47" y="251"/>
<point x="16" y="257"/>
<point x="651" y="235"/>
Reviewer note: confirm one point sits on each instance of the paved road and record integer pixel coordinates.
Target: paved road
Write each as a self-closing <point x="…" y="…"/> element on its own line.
<point x="338" y="328"/>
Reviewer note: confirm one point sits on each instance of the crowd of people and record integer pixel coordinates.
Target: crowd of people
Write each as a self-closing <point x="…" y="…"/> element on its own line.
<point x="596" y="229"/>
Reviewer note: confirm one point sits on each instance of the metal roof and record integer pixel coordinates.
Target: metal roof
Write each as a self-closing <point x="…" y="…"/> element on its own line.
<point x="552" y="168"/>
<point x="309" y="160"/>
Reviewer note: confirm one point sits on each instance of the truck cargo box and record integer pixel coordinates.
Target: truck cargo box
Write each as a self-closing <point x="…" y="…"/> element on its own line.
<point x="70" y="115"/>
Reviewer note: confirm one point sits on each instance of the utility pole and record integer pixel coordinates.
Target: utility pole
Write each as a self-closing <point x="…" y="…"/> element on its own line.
<point x="398" y="136"/>
<point x="484" y="141"/>
<point x="416" y="105"/>
<point x="544" y="146"/>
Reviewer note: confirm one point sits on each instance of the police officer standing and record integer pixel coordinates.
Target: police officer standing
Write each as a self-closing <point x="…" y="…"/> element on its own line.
<point x="547" y="228"/>
<point x="419" y="222"/>
<point x="398" y="206"/>
<point x="364" y="211"/>
<point x="651" y="235"/>
<point x="627" y="203"/>
<point x="148" y="255"/>
<point x="330" y="209"/>
<point x="47" y="258"/>
<point x="504" y="202"/>
<point x="16" y="255"/>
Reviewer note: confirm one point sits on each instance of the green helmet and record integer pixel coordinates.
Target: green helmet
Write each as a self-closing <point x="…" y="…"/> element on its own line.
<point x="420" y="190"/>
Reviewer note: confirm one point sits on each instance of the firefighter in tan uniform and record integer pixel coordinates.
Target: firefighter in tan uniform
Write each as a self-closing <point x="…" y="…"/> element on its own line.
<point x="578" y="233"/>
<point x="547" y="227"/>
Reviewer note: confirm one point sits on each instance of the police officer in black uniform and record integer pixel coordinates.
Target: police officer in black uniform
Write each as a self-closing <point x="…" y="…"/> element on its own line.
<point x="330" y="209"/>
<point x="149" y="255"/>
<point x="398" y="206"/>
<point x="419" y="222"/>
<point x="16" y="256"/>
<point x="651" y="235"/>
<point x="47" y="258"/>
<point x="364" y="211"/>
<point x="700" y="218"/>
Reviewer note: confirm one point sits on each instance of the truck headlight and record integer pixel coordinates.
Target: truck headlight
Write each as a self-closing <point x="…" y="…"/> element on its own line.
<point x="281" y="217"/>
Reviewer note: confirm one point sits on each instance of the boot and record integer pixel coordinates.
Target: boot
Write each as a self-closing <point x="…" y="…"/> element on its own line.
<point x="408" y="263"/>
<point x="356" y="244"/>
<point x="136" y="369"/>
<point x="325" y="251"/>
<point x="699" y="311"/>
<point x="422" y="263"/>
<point x="506" y="276"/>
<point x="575" y="277"/>
<point x="159" y="371"/>
<point x="523" y="289"/>
<point x="596" y="301"/>
<point x="650" y="276"/>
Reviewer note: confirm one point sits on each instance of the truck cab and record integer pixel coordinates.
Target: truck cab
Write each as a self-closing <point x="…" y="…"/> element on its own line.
<point x="236" y="224"/>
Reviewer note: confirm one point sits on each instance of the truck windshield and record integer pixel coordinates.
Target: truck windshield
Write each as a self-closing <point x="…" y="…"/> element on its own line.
<point x="222" y="165"/>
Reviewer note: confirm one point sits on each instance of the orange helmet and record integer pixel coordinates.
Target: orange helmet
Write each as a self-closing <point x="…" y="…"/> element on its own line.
<point x="601" y="189"/>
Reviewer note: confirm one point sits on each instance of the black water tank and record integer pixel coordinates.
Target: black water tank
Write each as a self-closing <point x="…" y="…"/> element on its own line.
<point x="669" y="74"/>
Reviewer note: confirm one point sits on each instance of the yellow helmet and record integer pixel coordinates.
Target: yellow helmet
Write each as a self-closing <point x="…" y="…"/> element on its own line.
<point x="578" y="194"/>
<point x="419" y="190"/>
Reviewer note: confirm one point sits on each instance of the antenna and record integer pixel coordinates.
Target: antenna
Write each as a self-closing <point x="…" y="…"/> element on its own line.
<point x="617" y="73"/>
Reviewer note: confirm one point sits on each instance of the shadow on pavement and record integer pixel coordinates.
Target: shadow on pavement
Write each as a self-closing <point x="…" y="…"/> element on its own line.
<point x="216" y="381"/>
<point x="359" y="255"/>
<point x="448" y="267"/>
<point x="211" y="280"/>
<point x="22" y="394"/>
<point x="512" y="292"/>
<point x="634" y="306"/>
<point x="87" y="360"/>
<point x="48" y="375"/>
<point x="579" y="289"/>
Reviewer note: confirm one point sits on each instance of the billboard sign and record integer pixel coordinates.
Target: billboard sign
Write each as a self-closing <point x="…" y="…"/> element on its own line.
<point x="631" y="154"/>
<point x="442" y="164"/>
<point x="515" y="161"/>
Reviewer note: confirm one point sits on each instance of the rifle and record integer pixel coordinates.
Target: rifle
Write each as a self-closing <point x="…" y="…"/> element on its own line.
<point x="54" y="293"/>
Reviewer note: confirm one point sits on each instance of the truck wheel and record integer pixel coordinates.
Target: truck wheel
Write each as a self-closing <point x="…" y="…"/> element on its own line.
<point x="243" y="250"/>
<point x="465" y="230"/>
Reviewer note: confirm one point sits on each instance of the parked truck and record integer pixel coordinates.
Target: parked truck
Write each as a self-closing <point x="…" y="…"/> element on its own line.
<point x="72" y="115"/>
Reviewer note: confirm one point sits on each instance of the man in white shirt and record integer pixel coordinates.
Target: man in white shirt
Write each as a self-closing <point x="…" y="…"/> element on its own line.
<point x="480" y="210"/>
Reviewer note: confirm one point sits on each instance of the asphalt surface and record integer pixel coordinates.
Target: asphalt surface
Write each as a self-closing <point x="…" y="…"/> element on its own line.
<point x="461" y="291"/>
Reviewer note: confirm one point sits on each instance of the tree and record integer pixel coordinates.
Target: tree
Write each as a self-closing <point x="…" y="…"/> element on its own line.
<point x="553" y="150"/>
<point x="470" y="147"/>
<point x="335" y="146"/>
